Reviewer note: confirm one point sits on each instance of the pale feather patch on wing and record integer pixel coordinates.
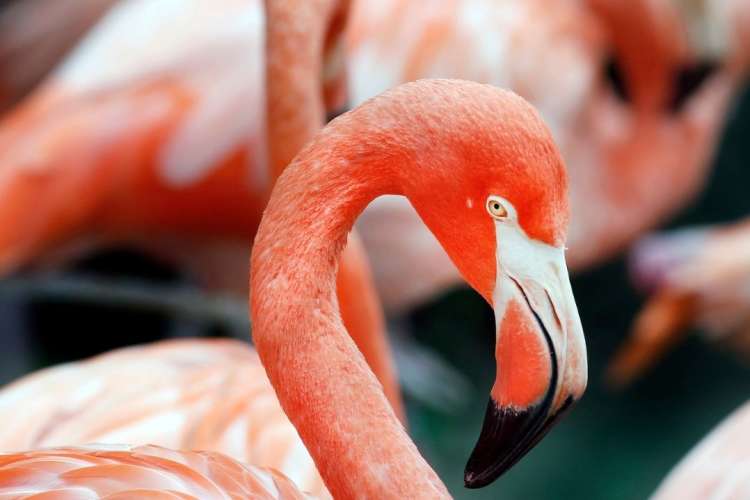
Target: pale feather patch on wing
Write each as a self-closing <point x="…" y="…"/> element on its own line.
<point x="188" y="394"/>
<point x="213" y="49"/>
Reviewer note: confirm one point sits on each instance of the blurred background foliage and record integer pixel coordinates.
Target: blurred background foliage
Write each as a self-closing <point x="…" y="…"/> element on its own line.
<point x="614" y="445"/>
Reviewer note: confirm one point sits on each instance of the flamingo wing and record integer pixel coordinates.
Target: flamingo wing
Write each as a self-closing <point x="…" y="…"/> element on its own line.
<point x="182" y="394"/>
<point x="120" y="472"/>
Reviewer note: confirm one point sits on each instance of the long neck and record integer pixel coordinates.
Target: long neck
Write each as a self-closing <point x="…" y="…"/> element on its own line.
<point x="362" y="315"/>
<point x="297" y="32"/>
<point x="295" y="38"/>
<point x="322" y="381"/>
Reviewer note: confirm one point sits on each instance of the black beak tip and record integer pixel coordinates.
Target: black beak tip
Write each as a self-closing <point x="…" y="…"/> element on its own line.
<point x="474" y="481"/>
<point x="507" y="435"/>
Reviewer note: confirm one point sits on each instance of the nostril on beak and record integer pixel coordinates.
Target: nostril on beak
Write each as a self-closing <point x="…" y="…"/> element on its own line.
<point x="688" y="80"/>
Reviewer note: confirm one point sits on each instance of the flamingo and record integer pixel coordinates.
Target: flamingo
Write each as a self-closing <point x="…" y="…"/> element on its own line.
<point x="716" y="467"/>
<point x="180" y="394"/>
<point x="483" y="171"/>
<point x="612" y="120"/>
<point x="172" y="155"/>
<point x="635" y="98"/>
<point x="126" y="472"/>
<point x="361" y="315"/>
<point x="174" y="150"/>
<point x="195" y="392"/>
<point x="701" y="278"/>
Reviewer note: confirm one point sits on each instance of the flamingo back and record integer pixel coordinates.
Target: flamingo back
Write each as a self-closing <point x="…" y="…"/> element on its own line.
<point x="182" y="394"/>
<point x="122" y="472"/>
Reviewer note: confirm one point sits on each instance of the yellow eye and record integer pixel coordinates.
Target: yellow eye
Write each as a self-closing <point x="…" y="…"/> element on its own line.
<point x="496" y="209"/>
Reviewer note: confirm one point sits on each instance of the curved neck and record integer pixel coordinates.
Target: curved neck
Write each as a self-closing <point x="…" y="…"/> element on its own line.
<point x="322" y="381"/>
<point x="362" y="315"/>
<point x="298" y="33"/>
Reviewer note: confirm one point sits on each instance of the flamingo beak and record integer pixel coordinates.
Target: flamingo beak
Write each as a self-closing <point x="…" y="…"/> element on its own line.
<point x="540" y="354"/>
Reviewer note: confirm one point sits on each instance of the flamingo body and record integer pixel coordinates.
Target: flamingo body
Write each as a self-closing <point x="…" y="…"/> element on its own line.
<point x="183" y="394"/>
<point x="126" y="472"/>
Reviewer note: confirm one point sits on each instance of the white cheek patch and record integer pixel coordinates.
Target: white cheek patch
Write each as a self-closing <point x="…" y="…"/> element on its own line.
<point x="521" y="256"/>
<point x="529" y="264"/>
<point x="537" y="268"/>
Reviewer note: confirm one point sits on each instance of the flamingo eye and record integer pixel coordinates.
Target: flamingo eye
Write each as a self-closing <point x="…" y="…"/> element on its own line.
<point x="496" y="208"/>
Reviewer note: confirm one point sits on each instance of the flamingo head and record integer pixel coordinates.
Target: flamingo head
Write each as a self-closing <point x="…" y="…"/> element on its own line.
<point x="495" y="196"/>
<point x="540" y="349"/>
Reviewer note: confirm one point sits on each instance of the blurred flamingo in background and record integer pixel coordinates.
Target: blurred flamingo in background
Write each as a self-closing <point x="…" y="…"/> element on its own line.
<point x="635" y="93"/>
<point x="160" y="143"/>
<point x="183" y="394"/>
<point x="35" y="35"/>
<point x="699" y="277"/>
<point x="509" y="245"/>
<point x="249" y="425"/>
<point x="136" y="140"/>
<point x="717" y="467"/>
<point x="127" y="472"/>
<point x="638" y="142"/>
<point x="195" y="393"/>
